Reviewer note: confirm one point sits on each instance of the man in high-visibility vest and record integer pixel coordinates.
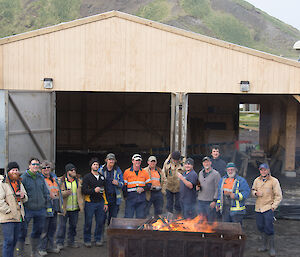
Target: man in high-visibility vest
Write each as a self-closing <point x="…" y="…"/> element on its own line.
<point x="233" y="191"/>
<point x="155" y="195"/>
<point x="136" y="182"/>
<point x="70" y="186"/>
<point x="47" y="237"/>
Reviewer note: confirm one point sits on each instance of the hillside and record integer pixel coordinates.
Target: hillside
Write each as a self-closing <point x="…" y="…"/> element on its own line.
<point x="234" y="21"/>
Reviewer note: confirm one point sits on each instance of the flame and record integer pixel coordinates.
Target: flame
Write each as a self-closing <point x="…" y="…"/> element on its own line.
<point x="198" y="224"/>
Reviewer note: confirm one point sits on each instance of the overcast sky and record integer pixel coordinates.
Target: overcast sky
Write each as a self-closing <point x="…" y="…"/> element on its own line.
<point x="287" y="11"/>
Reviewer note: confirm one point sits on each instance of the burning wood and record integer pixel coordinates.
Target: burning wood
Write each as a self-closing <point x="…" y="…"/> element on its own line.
<point x="198" y="224"/>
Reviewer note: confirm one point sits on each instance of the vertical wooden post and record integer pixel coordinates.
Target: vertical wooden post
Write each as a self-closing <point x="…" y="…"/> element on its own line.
<point x="178" y="129"/>
<point x="275" y="125"/>
<point x="172" y="123"/>
<point x="290" y="137"/>
<point x="264" y="125"/>
<point x="184" y="114"/>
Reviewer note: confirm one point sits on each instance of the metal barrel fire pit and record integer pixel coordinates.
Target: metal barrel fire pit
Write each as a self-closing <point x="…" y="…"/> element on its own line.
<point x="126" y="239"/>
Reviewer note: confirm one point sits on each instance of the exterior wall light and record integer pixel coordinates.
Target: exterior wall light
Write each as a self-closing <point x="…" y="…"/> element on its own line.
<point x="48" y="83"/>
<point x="245" y="86"/>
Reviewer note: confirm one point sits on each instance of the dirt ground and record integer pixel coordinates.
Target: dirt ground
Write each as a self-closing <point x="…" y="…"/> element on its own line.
<point x="287" y="240"/>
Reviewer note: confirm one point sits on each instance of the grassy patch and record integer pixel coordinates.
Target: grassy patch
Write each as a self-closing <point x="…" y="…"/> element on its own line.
<point x="196" y="8"/>
<point x="157" y="10"/>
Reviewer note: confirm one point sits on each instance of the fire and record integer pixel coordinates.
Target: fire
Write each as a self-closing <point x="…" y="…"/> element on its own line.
<point x="198" y="224"/>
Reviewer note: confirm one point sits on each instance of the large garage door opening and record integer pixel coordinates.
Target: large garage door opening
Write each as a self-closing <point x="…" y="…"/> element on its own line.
<point x="212" y="120"/>
<point x="94" y="124"/>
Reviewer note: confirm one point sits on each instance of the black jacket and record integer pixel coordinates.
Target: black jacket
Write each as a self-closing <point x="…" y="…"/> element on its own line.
<point x="219" y="165"/>
<point x="88" y="188"/>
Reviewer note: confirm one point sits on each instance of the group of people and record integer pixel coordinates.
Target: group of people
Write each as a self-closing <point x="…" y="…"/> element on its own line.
<point x="216" y="193"/>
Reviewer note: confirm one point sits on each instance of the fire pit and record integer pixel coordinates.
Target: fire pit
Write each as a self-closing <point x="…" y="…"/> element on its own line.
<point x="136" y="238"/>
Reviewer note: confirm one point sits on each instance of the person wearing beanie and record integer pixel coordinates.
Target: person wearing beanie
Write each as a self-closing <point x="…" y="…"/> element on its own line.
<point x="35" y="207"/>
<point x="70" y="186"/>
<point x="188" y="182"/>
<point x="233" y="191"/>
<point x="12" y="213"/>
<point x="172" y="166"/>
<point x="94" y="189"/>
<point x="114" y="182"/>
<point x="267" y="191"/>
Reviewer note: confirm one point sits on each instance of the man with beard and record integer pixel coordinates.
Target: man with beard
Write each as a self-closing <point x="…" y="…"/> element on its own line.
<point x="94" y="189"/>
<point x="268" y="195"/>
<point x="70" y="186"/>
<point x="233" y="191"/>
<point x="35" y="207"/>
<point x="12" y="197"/>
<point x="208" y="190"/>
<point x="114" y="183"/>
<point x="47" y="237"/>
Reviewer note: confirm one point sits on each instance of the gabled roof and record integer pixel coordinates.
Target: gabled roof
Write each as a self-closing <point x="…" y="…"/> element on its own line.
<point x="157" y="25"/>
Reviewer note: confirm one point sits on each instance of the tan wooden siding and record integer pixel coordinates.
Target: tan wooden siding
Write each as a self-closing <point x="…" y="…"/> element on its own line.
<point x="120" y="55"/>
<point x="1" y="68"/>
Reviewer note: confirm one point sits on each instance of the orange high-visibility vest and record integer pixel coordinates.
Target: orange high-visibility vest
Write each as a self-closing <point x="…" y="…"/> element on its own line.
<point x="155" y="178"/>
<point x="228" y="184"/>
<point x="52" y="186"/>
<point x="132" y="181"/>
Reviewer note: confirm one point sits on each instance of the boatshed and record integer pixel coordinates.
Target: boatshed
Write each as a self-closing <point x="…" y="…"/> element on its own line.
<point x="117" y="82"/>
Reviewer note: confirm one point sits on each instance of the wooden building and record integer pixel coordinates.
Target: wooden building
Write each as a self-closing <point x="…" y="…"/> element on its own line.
<point x="120" y="82"/>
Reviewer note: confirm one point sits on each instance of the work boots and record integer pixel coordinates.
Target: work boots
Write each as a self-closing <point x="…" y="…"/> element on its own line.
<point x="35" y="243"/>
<point x="20" y="249"/>
<point x="272" y="246"/>
<point x="264" y="241"/>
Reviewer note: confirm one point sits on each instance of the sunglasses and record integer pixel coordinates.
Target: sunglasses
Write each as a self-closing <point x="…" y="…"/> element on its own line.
<point x="35" y="164"/>
<point x="48" y="167"/>
<point x="73" y="170"/>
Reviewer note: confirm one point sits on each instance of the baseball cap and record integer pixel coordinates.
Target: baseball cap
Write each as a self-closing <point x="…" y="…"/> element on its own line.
<point x="264" y="166"/>
<point x="230" y="165"/>
<point x="137" y="157"/>
<point x="152" y="158"/>
<point x="111" y="156"/>
<point x="70" y="166"/>
<point x="206" y="158"/>
<point x="189" y="161"/>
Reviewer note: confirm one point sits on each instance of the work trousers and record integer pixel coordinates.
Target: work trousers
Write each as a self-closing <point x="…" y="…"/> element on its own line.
<point x="113" y="208"/>
<point x="188" y="210"/>
<point x="39" y="217"/>
<point x="173" y="201"/>
<point x="92" y="209"/>
<point x="10" y="232"/>
<point x="157" y="200"/>
<point x="72" y="216"/>
<point x="47" y="237"/>
<point x="206" y="211"/>
<point x="135" y="204"/>
<point x="227" y="217"/>
<point x="264" y="222"/>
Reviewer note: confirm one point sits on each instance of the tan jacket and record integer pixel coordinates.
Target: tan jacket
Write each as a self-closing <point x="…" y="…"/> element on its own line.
<point x="65" y="196"/>
<point x="170" y="170"/>
<point x="271" y="193"/>
<point x="162" y="181"/>
<point x="10" y="210"/>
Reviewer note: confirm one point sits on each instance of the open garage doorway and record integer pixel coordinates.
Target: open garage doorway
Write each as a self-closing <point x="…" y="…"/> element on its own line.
<point x="95" y="123"/>
<point x="212" y="120"/>
<point x="249" y="116"/>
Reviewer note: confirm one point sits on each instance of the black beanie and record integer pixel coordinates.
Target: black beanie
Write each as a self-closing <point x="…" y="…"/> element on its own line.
<point x="95" y="159"/>
<point x="176" y="155"/>
<point x="70" y="166"/>
<point x="12" y="165"/>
